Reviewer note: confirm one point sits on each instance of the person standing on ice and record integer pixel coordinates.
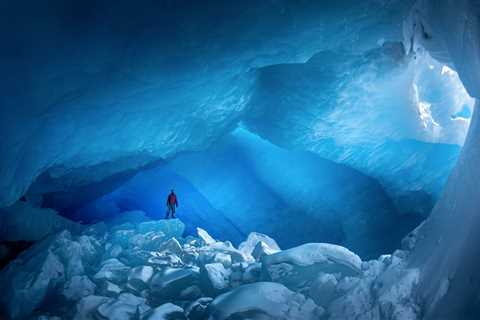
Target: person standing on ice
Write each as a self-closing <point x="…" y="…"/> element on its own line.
<point x="172" y="203"/>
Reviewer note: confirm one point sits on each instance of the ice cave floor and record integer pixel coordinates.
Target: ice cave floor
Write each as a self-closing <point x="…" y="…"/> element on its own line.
<point x="136" y="268"/>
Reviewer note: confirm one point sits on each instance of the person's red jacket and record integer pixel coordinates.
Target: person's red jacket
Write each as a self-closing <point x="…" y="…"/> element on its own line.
<point x="172" y="200"/>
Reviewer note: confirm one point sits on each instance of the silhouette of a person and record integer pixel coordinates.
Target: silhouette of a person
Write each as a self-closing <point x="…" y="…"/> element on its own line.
<point x="172" y="204"/>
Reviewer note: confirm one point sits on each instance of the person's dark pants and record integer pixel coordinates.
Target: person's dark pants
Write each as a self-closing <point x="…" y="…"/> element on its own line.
<point x="170" y="210"/>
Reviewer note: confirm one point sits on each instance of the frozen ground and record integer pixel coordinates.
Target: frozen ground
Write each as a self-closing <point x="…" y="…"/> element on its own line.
<point x="135" y="268"/>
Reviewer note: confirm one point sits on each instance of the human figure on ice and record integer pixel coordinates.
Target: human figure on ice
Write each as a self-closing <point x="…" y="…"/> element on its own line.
<point x="172" y="203"/>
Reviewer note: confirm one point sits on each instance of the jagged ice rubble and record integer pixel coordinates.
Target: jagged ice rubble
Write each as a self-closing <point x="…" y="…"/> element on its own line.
<point x="136" y="268"/>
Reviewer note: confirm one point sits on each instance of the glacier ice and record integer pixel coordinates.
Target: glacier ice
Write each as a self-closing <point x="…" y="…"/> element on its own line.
<point x="112" y="270"/>
<point x="313" y="200"/>
<point x="78" y="287"/>
<point x="263" y="300"/>
<point x="29" y="279"/>
<point x="165" y="312"/>
<point x="448" y="258"/>
<point x="21" y="221"/>
<point x="303" y="264"/>
<point x="254" y="239"/>
<point x="139" y="278"/>
<point x="82" y="109"/>
<point x="216" y="276"/>
<point x="381" y="112"/>
<point x="87" y="306"/>
<point x="331" y="282"/>
<point x="207" y="239"/>
<point x="125" y="307"/>
<point x="145" y="191"/>
<point x="150" y="98"/>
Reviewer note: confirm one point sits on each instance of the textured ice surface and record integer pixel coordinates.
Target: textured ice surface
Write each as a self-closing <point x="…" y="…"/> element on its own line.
<point x="216" y="276"/>
<point x="78" y="287"/>
<point x="319" y="253"/>
<point x="266" y="300"/>
<point x="166" y="311"/>
<point x="296" y="266"/>
<point x="146" y="82"/>
<point x="235" y="188"/>
<point x="254" y="239"/>
<point x="381" y="112"/>
<point x="446" y="247"/>
<point x="74" y="277"/>
<point x="80" y="99"/>
<point x="293" y="196"/>
<point x="147" y="191"/>
<point x="23" y="222"/>
<point x="29" y="279"/>
<point x="207" y="239"/>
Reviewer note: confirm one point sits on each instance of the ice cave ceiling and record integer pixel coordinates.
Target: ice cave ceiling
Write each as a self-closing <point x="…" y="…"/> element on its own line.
<point x="91" y="83"/>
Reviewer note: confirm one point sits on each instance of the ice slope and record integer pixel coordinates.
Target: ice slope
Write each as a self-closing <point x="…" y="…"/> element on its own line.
<point x="91" y="83"/>
<point x="385" y="113"/>
<point x="447" y="248"/>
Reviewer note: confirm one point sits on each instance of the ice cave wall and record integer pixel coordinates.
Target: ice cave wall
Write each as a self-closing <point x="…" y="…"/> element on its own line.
<point x="447" y="251"/>
<point x="383" y="112"/>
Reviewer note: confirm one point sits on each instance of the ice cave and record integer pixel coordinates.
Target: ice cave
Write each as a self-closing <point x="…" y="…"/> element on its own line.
<point x="228" y="160"/>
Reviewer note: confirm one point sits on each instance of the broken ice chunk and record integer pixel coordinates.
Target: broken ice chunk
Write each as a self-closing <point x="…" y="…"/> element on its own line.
<point x="207" y="239"/>
<point x="78" y="287"/>
<point x="263" y="300"/>
<point x="215" y="277"/>
<point x="173" y="246"/>
<point x="322" y="290"/>
<point x="224" y="259"/>
<point x="124" y="308"/>
<point x="262" y="249"/>
<point x="197" y="310"/>
<point x="297" y="266"/>
<point x="139" y="277"/>
<point x="172" y="282"/>
<point x="170" y="228"/>
<point x="167" y="311"/>
<point x="248" y="246"/>
<point x="87" y="306"/>
<point x="112" y="270"/>
<point x="27" y="281"/>
<point x="109" y="289"/>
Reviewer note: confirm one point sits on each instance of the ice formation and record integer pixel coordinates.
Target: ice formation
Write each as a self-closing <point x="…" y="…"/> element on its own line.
<point x="233" y="188"/>
<point x="155" y="273"/>
<point x="24" y="222"/>
<point x="104" y="107"/>
<point x="380" y="112"/>
<point x="132" y="90"/>
<point x="447" y="247"/>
